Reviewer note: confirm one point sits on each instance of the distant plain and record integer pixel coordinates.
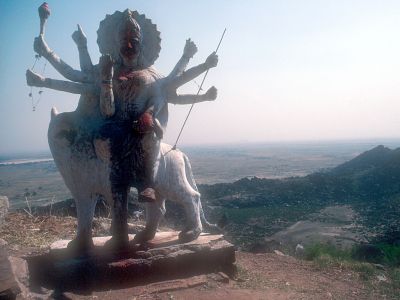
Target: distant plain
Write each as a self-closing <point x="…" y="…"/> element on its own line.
<point x="34" y="178"/>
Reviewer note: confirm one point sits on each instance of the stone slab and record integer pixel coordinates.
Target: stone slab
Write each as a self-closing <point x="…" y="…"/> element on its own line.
<point x="162" y="239"/>
<point x="163" y="258"/>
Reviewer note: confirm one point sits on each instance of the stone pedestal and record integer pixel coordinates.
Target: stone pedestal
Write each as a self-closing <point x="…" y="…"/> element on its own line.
<point x="159" y="259"/>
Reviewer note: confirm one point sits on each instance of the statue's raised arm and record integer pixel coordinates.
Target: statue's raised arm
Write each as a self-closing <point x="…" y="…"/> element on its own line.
<point x="34" y="79"/>
<point x="179" y="77"/>
<point x="188" y="52"/>
<point x="210" y="95"/>
<point x="40" y="46"/>
<point x="192" y="73"/>
<point x="80" y="40"/>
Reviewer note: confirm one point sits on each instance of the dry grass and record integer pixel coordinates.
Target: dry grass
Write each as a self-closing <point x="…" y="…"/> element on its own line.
<point x="27" y="230"/>
<point x="23" y="229"/>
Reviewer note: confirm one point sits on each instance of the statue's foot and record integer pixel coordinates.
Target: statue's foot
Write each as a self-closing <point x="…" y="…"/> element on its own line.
<point x="189" y="235"/>
<point x="148" y="195"/>
<point x="143" y="236"/>
<point x="80" y="245"/>
<point x="117" y="243"/>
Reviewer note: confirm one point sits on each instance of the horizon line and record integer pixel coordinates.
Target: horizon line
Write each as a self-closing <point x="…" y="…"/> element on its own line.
<point x="14" y="153"/>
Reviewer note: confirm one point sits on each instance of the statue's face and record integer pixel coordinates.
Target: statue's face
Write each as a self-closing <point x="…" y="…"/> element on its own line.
<point x="129" y="45"/>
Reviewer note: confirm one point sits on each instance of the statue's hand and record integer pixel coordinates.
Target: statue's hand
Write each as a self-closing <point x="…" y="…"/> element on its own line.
<point x="34" y="79"/>
<point x="212" y="60"/>
<point x="40" y="46"/>
<point x="79" y="37"/>
<point x="106" y="67"/>
<point x="190" y="48"/>
<point x="211" y="93"/>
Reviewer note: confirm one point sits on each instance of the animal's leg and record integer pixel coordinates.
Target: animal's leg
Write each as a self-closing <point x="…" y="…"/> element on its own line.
<point x="154" y="212"/>
<point x="119" y="223"/>
<point x="194" y="227"/>
<point x="85" y="207"/>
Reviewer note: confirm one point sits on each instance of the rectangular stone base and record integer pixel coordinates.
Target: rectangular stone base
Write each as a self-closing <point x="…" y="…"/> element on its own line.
<point x="159" y="259"/>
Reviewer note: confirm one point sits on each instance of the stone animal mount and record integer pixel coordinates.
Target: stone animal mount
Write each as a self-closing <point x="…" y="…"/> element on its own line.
<point x="112" y="141"/>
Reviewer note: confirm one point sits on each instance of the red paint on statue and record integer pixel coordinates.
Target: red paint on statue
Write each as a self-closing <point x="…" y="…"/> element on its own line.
<point x="44" y="11"/>
<point x="145" y="122"/>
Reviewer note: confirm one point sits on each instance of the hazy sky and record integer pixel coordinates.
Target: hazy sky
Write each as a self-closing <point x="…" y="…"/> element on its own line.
<point x="289" y="70"/>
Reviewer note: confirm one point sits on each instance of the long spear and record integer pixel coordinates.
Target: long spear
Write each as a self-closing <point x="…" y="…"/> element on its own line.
<point x="198" y="92"/>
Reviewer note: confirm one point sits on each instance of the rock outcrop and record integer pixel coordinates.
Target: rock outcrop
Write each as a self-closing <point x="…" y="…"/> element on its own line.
<point x="9" y="288"/>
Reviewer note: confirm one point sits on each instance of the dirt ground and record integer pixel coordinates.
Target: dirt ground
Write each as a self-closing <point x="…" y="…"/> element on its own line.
<point x="259" y="276"/>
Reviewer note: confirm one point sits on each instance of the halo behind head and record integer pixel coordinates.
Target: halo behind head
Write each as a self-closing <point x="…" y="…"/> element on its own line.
<point x="150" y="37"/>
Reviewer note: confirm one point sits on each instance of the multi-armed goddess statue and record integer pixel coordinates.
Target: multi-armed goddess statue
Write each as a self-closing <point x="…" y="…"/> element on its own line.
<point x="112" y="141"/>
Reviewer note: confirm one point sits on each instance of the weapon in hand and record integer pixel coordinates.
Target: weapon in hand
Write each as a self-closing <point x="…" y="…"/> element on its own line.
<point x="44" y="13"/>
<point x="198" y="92"/>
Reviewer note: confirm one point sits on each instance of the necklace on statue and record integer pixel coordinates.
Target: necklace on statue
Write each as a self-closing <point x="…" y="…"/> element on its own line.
<point x="35" y="99"/>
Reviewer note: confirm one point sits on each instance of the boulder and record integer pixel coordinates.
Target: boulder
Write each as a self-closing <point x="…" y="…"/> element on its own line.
<point x="9" y="288"/>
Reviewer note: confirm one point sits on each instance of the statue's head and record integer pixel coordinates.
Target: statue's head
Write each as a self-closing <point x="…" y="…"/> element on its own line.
<point x="129" y="40"/>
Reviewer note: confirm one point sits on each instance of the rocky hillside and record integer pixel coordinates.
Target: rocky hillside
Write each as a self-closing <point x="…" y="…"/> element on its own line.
<point x="255" y="207"/>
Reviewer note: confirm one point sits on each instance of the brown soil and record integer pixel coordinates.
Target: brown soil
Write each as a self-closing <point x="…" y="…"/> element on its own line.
<point x="259" y="276"/>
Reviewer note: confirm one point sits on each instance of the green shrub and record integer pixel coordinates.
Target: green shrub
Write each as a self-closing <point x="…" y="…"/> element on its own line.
<point x="391" y="254"/>
<point x="317" y="250"/>
<point x="327" y="255"/>
<point x="324" y="261"/>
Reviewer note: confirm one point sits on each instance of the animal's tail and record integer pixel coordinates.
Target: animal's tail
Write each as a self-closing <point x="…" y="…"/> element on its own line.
<point x="213" y="228"/>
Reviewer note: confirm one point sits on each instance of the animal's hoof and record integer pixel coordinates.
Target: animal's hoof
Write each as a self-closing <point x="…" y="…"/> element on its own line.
<point x="214" y="229"/>
<point x="80" y="245"/>
<point x="143" y="236"/>
<point x="190" y="235"/>
<point x="117" y="243"/>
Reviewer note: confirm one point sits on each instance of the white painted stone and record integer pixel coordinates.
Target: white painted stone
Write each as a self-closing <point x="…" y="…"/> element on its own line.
<point x="86" y="163"/>
<point x="160" y="239"/>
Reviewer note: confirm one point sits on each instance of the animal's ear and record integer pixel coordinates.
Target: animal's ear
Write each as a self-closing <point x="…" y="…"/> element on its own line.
<point x="54" y="112"/>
